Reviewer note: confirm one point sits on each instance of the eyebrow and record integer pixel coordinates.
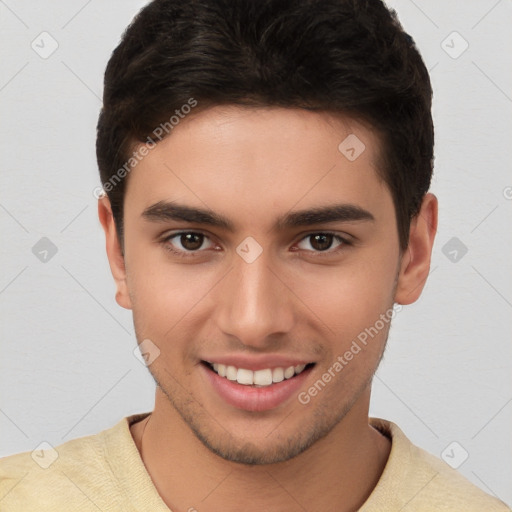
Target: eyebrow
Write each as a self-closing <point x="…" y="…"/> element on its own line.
<point x="166" y="211"/>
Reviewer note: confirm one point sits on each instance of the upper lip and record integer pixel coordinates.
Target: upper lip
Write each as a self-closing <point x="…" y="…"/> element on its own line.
<point x="257" y="362"/>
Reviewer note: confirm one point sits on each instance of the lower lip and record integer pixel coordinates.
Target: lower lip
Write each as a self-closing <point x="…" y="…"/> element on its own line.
<point x="255" y="399"/>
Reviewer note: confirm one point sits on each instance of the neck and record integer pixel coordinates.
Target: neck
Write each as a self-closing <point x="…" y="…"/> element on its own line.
<point x="337" y="473"/>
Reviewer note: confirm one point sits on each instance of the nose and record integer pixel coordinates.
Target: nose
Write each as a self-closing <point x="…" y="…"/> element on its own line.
<point x="255" y="304"/>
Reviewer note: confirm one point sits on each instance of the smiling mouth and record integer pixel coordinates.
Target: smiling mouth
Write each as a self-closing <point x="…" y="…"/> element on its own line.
<point x="258" y="378"/>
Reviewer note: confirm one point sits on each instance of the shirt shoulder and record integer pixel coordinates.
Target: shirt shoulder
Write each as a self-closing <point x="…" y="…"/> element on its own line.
<point x="98" y="472"/>
<point x="50" y="477"/>
<point x="414" y="479"/>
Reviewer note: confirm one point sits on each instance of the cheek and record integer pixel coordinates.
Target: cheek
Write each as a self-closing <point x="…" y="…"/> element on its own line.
<point x="351" y="298"/>
<point x="164" y="296"/>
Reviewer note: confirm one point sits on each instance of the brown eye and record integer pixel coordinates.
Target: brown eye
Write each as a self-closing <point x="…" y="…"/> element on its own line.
<point x="187" y="243"/>
<point x="191" y="241"/>
<point x="321" y="241"/>
<point x="317" y="243"/>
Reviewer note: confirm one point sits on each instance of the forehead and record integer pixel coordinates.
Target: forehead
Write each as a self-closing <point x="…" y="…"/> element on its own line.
<point x="261" y="162"/>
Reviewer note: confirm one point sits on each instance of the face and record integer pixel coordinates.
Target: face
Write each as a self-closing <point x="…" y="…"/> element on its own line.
<point x="293" y="256"/>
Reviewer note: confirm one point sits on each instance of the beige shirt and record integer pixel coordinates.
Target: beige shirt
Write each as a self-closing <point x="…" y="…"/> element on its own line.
<point x="105" y="472"/>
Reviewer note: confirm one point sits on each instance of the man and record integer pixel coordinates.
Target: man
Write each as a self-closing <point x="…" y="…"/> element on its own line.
<point x="266" y="166"/>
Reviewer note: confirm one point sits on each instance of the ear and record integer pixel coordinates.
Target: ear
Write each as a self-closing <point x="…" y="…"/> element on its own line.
<point x="114" y="253"/>
<point x="415" y="264"/>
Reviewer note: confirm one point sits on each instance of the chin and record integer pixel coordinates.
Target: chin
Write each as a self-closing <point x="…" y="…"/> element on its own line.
<point x="282" y="444"/>
<point x="255" y="455"/>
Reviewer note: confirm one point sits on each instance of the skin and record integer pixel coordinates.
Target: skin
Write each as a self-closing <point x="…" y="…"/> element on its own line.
<point x="253" y="166"/>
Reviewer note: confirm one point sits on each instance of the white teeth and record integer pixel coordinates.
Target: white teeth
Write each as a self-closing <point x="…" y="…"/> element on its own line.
<point x="289" y="372"/>
<point x="261" y="378"/>
<point x="231" y="372"/>
<point x="277" y="375"/>
<point x="244" y="376"/>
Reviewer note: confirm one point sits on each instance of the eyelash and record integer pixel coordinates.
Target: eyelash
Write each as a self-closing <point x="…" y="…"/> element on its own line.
<point x="187" y="254"/>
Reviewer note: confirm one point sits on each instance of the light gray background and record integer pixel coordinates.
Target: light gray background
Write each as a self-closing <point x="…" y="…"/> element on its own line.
<point x="67" y="366"/>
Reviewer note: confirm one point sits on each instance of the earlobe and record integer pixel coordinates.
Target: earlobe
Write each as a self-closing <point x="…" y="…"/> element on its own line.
<point x="114" y="253"/>
<point x="415" y="264"/>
